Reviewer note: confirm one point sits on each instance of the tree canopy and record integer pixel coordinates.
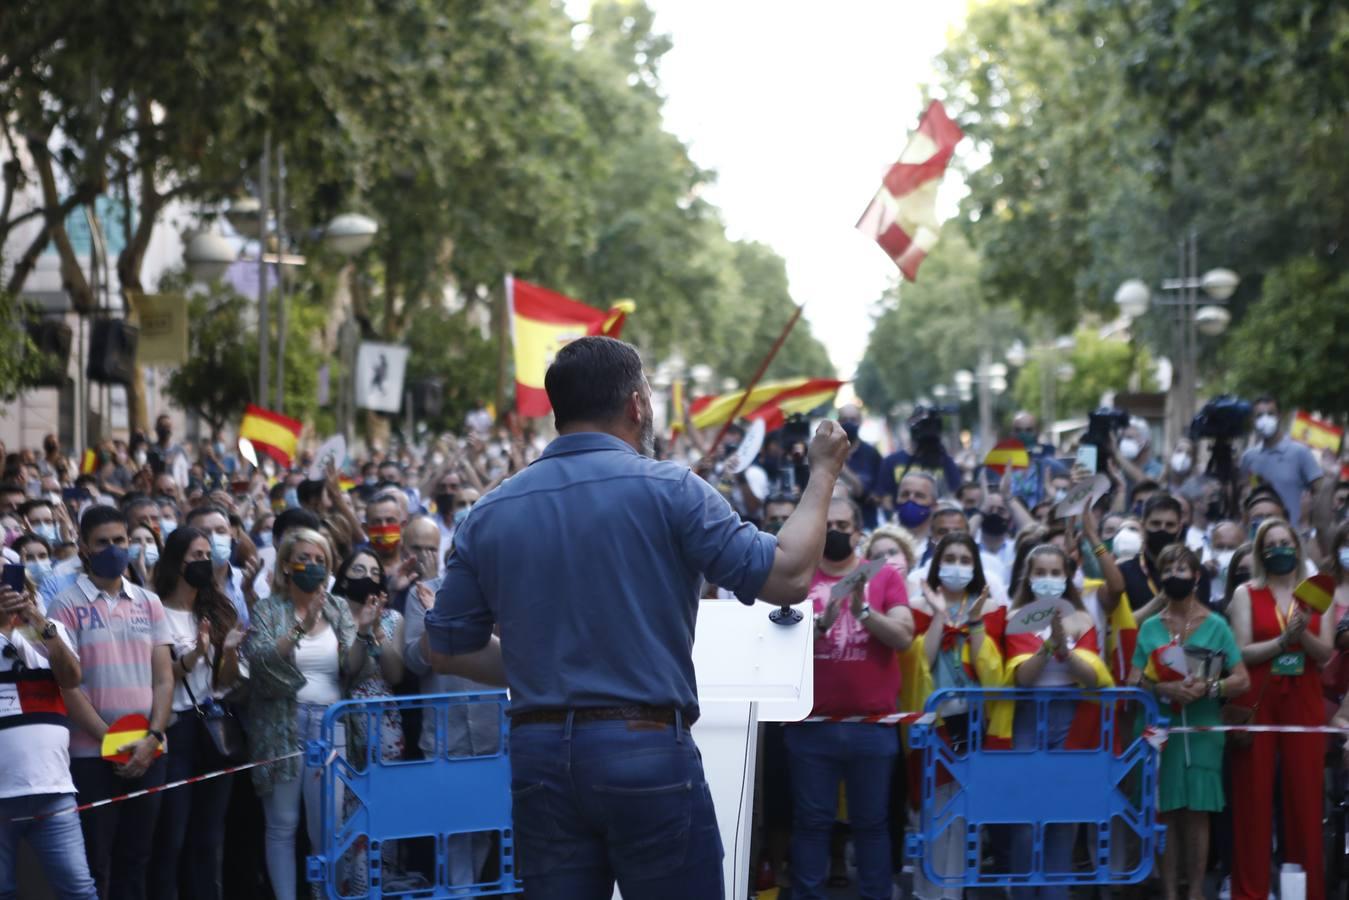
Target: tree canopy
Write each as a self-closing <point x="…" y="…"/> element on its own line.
<point x="485" y="139"/>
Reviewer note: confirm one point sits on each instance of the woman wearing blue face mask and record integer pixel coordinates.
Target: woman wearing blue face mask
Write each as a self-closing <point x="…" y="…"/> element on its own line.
<point x="958" y="645"/>
<point x="144" y="547"/>
<point x="36" y="555"/>
<point x="304" y="649"/>
<point x="1065" y="654"/>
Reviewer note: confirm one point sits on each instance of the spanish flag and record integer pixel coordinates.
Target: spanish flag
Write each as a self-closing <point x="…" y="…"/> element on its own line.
<point x="126" y="730"/>
<point x="1315" y="433"/>
<point x="1316" y="592"/>
<point x="271" y="433"/>
<point x="771" y="401"/>
<point x="1085" y="731"/>
<point x="1010" y="452"/>
<point x="88" y="462"/>
<point x="542" y="323"/>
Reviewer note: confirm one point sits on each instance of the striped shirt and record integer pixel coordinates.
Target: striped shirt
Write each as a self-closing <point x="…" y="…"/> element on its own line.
<point x="115" y="637"/>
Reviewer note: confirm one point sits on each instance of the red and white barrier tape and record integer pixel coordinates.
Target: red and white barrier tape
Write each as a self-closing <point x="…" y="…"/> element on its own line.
<point x="163" y="787"/>
<point x="927" y="718"/>
<point x="911" y="718"/>
<point x="1157" y="736"/>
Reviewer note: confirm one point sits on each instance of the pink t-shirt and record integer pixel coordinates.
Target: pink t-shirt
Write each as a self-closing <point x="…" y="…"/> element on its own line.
<point x="855" y="674"/>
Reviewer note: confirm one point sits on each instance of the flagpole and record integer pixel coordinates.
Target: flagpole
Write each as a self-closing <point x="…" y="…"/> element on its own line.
<point x="753" y="382"/>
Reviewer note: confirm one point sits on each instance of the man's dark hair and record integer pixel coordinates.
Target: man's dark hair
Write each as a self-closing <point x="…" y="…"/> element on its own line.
<point x="139" y="500"/>
<point x="205" y="510"/>
<point x="963" y="538"/>
<point x="9" y="487"/>
<point x="1267" y="398"/>
<point x="85" y="481"/>
<point x="97" y="516"/>
<point x="591" y="380"/>
<point x="29" y="505"/>
<point x="289" y="519"/>
<point x="310" y="490"/>
<point x="1264" y="494"/>
<point x="1164" y="502"/>
<point x="782" y="498"/>
<point x="386" y="495"/>
<point x="277" y="491"/>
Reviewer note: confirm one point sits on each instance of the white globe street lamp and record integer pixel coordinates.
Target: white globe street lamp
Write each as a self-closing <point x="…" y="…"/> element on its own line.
<point x="1219" y="283"/>
<point x="1132" y="297"/>
<point x="350" y="234"/>
<point x="964" y="379"/>
<point x="1212" y="320"/>
<point x="1016" y="354"/>
<point x="208" y="255"/>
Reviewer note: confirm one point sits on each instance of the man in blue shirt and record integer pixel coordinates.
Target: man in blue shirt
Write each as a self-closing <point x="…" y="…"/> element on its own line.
<point x="591" y="564"/>
<point x="1279" y="461"/>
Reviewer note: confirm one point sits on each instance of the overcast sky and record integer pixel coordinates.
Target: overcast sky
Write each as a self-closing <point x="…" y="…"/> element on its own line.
<point x="800" y="108"/>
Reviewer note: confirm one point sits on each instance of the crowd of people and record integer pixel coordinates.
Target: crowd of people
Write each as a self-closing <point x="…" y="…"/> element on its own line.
<point x="1179" y="581"/>
<point x="229" y="603"/>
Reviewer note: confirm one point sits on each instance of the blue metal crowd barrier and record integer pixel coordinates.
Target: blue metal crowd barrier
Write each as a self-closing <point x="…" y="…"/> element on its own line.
<point x="453" y="796"/>
<point x="977" y="796"/>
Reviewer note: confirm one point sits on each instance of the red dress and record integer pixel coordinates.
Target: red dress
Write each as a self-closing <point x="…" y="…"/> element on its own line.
<point x="1284" y="699"/>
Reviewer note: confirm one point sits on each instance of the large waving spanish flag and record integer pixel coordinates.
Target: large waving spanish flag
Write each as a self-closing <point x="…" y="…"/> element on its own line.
<point x="542" y="323"/>
<point x="1085" y="731"/>
<point x="771" y="401"/>
<point x="271" y="433"/>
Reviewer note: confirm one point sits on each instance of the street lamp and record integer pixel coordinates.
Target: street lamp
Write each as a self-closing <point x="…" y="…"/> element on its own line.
<point x="208" y="255"/>
<point x="1182" y="294"/>
<point x="350" y="234"/>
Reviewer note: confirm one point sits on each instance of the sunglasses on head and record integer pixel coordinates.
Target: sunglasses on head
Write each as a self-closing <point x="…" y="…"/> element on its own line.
<point x="11" y="653"/>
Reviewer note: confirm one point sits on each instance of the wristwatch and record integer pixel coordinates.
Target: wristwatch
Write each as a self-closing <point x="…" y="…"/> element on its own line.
<point x="49" y="630"/>
<point x="864" y="614"/>
<point x="157" y="735"/>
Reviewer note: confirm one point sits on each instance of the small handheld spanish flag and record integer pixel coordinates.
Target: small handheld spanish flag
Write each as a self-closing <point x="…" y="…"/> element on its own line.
<point x="1009" y="453"/>
<point x="1316" y="592"/>
<point x="126" y="730"/>
<point x="88" y="463"/>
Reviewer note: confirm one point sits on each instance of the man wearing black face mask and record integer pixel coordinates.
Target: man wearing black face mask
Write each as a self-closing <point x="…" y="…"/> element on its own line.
<point x="864" y="466"/>
<point x="1142" y="577"/>
<point x="995" y="527"/>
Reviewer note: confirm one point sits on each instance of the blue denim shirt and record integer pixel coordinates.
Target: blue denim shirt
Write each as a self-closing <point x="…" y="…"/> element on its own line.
<point x="592" y="561"/>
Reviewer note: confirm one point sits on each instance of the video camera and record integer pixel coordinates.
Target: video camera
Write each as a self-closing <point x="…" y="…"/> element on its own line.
<point x="1102" y="424"/>
<point x="1221" y="419"/>
<point x="925" y="425"/>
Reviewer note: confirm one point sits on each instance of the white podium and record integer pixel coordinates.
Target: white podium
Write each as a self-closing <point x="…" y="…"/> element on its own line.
<point x="749" y="670"/>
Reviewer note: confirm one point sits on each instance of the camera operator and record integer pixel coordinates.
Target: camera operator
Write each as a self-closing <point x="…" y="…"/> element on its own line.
<point x="864" y="467"/>
<point x="1278" y="460"/>
<point x="928" y="457"/>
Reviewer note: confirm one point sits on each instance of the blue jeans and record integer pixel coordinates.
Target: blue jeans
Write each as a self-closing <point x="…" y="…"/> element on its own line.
<point x="822" y="754"/>
<point x="599" y="801"/>
<point x="57" y="841"/>
<point x="1058" y="839"/>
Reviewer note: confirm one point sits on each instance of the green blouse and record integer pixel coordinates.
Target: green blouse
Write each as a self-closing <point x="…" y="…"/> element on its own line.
<point x="269" y="717"/>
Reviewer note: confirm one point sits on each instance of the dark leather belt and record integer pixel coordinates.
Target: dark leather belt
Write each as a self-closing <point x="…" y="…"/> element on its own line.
<point x="659" y="715"/>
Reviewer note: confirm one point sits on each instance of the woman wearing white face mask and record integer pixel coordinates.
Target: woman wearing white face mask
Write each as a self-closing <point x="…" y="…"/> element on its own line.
<point x="1066" y="654"/>
<point x="958" y="644"/>
<point x="144" y="549"/>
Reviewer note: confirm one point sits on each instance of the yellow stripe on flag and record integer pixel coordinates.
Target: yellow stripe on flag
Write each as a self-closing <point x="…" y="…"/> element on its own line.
<point x="1317" y="592"/>
<point x="536" y="343"/>
<point x="720" y="409"/>
<point x="1315" y="433"/>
